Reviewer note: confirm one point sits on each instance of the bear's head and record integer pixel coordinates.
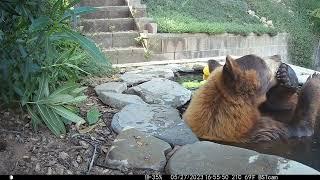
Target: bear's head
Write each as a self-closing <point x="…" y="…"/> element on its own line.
<point x="249" y="76"/>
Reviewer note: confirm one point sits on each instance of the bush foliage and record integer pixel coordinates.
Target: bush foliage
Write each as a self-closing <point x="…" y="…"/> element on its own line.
<point x="42" y="58"/>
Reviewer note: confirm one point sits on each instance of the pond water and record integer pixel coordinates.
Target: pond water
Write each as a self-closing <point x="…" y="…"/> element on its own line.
<point x="304" y="150"/>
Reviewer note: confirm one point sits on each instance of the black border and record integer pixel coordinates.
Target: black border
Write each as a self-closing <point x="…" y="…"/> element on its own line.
<point x="159" y="177"/>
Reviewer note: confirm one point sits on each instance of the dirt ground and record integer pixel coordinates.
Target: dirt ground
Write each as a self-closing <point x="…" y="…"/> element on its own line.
<point x="23" y="151"/>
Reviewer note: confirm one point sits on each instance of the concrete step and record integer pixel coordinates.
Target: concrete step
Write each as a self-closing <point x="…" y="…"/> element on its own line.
<point x="109" y="12"/>
<point x="115" y="39"/>
<point x="108" y="25"/>
<point x="125" y="55"/>
<point x="97" y="3"/>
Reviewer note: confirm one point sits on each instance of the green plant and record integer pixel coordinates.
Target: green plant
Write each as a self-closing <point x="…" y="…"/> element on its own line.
<point x="56" y="107"/>
<point x="291" y="16"/>
<point x="93" y="115"/>
<point x="143" y="41"/>
<point x="207" y="16"/>
<point x="37" y="51"/>
<point x="193" y="84"/>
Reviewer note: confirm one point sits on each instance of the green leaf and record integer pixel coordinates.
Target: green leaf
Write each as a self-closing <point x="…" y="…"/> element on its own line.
<point x="62" y="99"/>
<point x="22" y="50"/>
<point x="93" y="115"/>
<point x="68" y="115"/>
<point x="43" y="90"/>
<point x="57" y="5"/>
<point x="35" y="120"/>
<point x="84" y="42"/>
<point x="72" y="3"/>
<point x="40" y="23"/>
<point x="57" y="120"/>
<point x="59" y="99"/>
<point x="78" y="99"/>
<point x="78" y="11"/>
<point x="77" y="68"/>
<point x="65" y="89"/>
<point x="66" y="55"/>
<point x="6" y="6"/>
<point x="47" y="119"/>
<point x="77" y="91"/>
<point x="51" y="52"/>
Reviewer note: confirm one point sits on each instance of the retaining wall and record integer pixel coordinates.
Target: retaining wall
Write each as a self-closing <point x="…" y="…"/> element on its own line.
<point x="167" y="46"/>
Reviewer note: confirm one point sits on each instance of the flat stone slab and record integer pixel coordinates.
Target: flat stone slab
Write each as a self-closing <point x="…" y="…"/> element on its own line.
<point x="179" y="68"/>
<point x="119" y="101"/>
<point x="146" y="74"/>
<point x="160" y="121"/>
<point x="302" y="73"/>
<point x="162" y="91"/>
<point x="212" y="158"/>
<point x="115" y="87"/>
<point x="134" y="149"/>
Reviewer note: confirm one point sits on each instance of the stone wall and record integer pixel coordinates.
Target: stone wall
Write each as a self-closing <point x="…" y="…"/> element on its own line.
<point x="167" y="46"/>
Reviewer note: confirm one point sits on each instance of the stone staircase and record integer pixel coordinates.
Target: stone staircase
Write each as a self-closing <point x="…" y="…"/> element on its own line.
<point x="114" y="30"/>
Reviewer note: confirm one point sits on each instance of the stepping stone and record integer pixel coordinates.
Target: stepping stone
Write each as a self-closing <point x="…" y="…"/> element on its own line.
<point x="134" y="149"/>
<point x="212" y="158"/>
<point x="162" y="91"/>
<point x="146" y="74"/>
<point x="119" y="101"/>
<point x="160" y="121"/>
<point x="115" y="87"/>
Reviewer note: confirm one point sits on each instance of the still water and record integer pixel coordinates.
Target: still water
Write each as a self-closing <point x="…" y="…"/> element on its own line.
<point x="304" y="150"/>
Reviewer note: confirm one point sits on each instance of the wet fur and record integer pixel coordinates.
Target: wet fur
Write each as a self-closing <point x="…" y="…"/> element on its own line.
<point x="226" y="108"/>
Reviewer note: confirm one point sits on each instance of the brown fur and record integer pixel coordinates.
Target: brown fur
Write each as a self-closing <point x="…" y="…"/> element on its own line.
<point x="226" y="108"/>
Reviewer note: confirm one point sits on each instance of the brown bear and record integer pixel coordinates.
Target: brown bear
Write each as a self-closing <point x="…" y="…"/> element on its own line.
<point x="238" y="101"/>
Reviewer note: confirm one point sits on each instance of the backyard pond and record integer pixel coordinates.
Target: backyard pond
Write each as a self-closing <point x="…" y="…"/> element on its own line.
<point x="303" y="150"/>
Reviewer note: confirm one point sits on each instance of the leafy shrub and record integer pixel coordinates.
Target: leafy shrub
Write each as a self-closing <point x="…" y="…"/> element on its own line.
<point x="293" y="17"/>
<point x="38" y="53"/>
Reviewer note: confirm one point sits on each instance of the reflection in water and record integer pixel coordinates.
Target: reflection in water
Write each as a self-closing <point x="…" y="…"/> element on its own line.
<point x="304" y="150"/>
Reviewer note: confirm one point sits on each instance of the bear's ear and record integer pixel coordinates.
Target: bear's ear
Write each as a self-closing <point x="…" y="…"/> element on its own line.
<point x="229" y="68"/>
<point x="213" y="64"/>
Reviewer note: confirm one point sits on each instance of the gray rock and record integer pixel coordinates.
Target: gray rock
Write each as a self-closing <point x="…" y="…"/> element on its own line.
<point x="134" y="149"/>
<point x="63" y="155"/>
<point x="75" y="164"/>
<point x="118" y="101"/>
<point x="179" y="68"/>
<point x="146" y="74"/>
<point x="162" y="91"/>
<point x="179" y="134"/>
<point x="37" y="168"/>
<point x="162" y="122"/>
<point x="115" y="87"/>
<point x="49" y="171"/>
<point x="84" y="144"/>
<point x="198" y="67"/>
<point x="211" y="158"/>
<point x="59" y="169"/>
<point x="79" y="159"/>
<point x="302" y="78"/>
<point x="302" y="73"/>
